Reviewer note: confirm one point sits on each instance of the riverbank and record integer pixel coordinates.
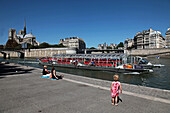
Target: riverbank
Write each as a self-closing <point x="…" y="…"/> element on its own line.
<point x="161" y="56"/>
<point x="23" y="90"/>
<point x="158" y="79"/>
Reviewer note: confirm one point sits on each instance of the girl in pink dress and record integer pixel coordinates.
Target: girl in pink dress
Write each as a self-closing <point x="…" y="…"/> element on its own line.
<point x="115" y="86"/>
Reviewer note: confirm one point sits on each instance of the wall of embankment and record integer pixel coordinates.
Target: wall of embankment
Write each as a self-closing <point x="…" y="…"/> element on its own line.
<point x="149" y="52"/>
<point x="49" y="52"/>
<point x="34" y="53"/>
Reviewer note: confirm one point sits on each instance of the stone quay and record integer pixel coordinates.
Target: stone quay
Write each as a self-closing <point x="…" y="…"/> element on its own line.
<point x="49" y="52"/>
<point x="36" y="53"/>
<point x="22" y="90"/>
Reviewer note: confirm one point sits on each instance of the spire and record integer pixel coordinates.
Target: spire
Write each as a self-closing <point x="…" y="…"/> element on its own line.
<point x="24" y="27"/>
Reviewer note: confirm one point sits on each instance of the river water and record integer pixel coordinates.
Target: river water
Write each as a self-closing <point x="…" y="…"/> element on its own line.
<point x="160" y="78"/>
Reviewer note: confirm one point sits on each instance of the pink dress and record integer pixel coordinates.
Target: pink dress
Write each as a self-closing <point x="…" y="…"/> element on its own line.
<point x="115" y="89"/>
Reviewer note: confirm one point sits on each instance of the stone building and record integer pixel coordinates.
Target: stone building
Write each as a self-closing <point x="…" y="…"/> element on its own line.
<point x="112" y="45"/>
<point x="22" y="37"/>
<point x="149" y="39"/>
<point x="128" y="43"/>
<point x="73" y="42"/>
<point x="106" y="46"/>
<point x="100" y="46"/>
<point x="156" y="40"/>
<point x="168" y="38"/>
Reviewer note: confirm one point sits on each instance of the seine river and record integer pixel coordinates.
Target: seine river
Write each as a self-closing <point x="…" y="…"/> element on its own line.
<point x="160" y="78"/>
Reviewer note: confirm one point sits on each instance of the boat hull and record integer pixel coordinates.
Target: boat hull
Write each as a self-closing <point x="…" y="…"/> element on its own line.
<point x="97" y="68"/>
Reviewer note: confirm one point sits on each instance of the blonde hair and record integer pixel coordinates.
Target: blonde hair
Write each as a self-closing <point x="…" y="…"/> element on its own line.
<point x="116" y="77"/>
<point x="45" y="66"/>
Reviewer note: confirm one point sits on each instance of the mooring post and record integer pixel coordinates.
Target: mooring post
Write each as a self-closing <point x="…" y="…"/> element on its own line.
<point x="4" y="55"/>
<point x="8" y="56"/>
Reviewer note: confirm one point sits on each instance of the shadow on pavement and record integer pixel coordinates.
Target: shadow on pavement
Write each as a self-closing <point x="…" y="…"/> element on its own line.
<point x="7" y="69"/>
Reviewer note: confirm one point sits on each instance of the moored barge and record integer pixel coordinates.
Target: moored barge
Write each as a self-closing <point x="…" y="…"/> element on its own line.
<point x="116" y="62"/>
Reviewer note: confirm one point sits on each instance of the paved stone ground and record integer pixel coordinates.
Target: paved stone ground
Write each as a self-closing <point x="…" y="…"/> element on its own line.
<point x="23" y="91"/>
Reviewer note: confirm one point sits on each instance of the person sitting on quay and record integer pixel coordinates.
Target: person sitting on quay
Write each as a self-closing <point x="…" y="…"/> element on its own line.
<point x="45" y="72"/>
<point x="54" y="76"/>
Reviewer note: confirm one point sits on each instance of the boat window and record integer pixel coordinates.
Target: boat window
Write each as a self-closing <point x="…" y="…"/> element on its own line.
<point x="143" y="61"/>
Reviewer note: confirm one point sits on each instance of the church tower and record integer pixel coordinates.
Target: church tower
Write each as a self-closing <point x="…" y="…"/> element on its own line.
<point x="24" y="28"/>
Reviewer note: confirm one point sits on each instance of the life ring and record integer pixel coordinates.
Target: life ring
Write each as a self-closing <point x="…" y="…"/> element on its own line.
<point x="124" y="66"/>
<point x="129" y="66"/>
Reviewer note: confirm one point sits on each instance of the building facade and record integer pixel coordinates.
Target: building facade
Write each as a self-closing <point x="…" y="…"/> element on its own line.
<point x="106" y="46"/>
<point x="128" y="43"/>
<point x="156" y="40"/>
<point x="112" y="45"/>
<point x="168" y="38"/>
<point x="73" y="42"/>
<point x="22" y="37"/>
<point x="149" y="39"/>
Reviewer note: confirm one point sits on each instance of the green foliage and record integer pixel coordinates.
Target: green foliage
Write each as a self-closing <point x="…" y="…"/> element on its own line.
<point x="18" y="47"/>
<point x="109" y="47"/>
<point x="53" y="46"/>
<point x="44" y="45"/>
<point x="120" y="45"/>
<point x="61" y="45"/>
<point x="11" y="44"/>
<point x="29" y="46"/>
<point x="129" y="48"/>
<point x="92" y="48"/>
<point x="1" y="46"/>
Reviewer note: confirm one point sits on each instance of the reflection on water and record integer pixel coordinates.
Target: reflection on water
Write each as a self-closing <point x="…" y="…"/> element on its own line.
<point x="160" y="78"/>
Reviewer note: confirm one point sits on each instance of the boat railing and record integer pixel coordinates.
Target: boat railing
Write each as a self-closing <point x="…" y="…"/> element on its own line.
<point x="98" y="60"/>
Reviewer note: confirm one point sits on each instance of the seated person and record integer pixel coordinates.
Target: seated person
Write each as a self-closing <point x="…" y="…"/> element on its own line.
<point x="45" y="72"/>
<point x="54" y="76"/>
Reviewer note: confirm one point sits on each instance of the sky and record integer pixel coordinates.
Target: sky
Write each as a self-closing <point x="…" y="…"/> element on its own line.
<point x="95" y="21"/>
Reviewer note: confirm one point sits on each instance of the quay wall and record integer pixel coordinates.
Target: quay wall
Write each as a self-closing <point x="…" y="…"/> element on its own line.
<point x="34" y="53"/>
<point x="149" y="52"/>
<point x="48" y="52"/>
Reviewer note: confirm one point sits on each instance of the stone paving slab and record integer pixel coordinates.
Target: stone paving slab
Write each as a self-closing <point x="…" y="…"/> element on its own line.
<point x="165" y="94"/>
<point x="29" y="93"/>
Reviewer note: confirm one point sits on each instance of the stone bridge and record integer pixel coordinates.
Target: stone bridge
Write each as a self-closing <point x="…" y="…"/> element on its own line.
<point x="11" y="53"/>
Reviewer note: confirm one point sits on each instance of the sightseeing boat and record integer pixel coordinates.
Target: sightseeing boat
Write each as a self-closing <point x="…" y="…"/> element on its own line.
<point x="117" y="62"/>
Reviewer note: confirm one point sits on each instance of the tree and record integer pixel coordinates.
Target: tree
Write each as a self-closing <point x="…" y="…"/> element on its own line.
<point x="44" y="45"/>
<point x="120" y="45"/>
<point x="29" y="46"/>
<point x="92" y="48"/>
<point x="61" y="45"/>
<point x="11" y="44"/>
<point x="1" y="46"/>
<point x="109" y="47"/>
<point x="129" y="48"/>
<point x="18" y="47"/>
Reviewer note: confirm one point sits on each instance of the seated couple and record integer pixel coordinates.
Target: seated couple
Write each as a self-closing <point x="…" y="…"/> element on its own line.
<point x="52" y="75"/>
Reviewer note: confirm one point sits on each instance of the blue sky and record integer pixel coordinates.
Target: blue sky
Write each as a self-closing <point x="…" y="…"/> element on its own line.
<point x="95" y="21"/>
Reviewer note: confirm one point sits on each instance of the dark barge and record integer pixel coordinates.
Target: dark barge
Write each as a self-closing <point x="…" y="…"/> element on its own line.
<point x="116" y="62"/>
